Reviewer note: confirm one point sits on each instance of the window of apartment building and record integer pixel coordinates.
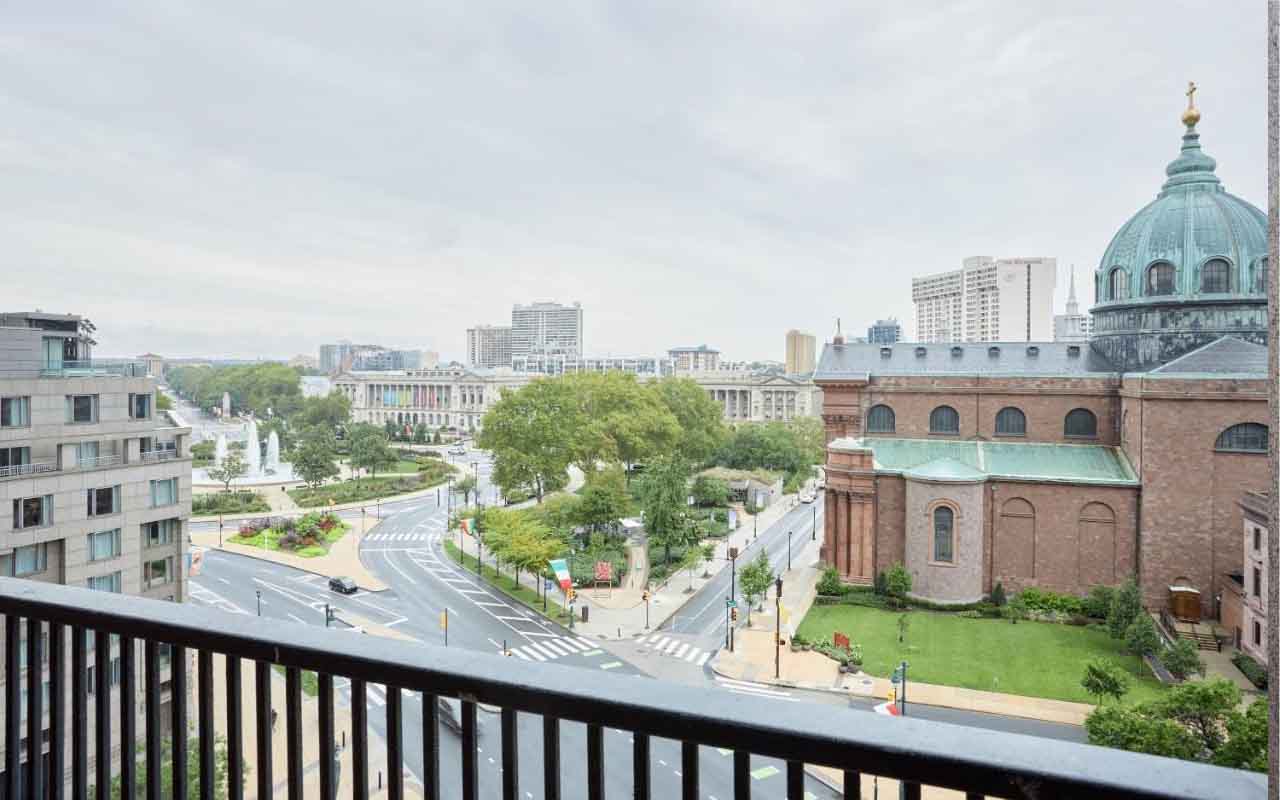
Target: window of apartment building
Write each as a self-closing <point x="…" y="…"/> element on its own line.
<point x="14" y="456"/>
<point x="139" y="406"/>
<point x="1257" y="582"/>
<point x="82" y="408"/>
<point x="164" y="492"/>
<point x="104" y="545"/>
<point x="105" y="500"/>
<point x="1257" y="634"/>
<point x="106" y="583"/>
<point x="32" y="512"/>
<point x="29" y="560"/>
<point x="1257" y="538"/>
<point x="87" y="454"/>
<point x="160" y="532"/>
<point x="91" y="675"/>
<point x="44" y="649"/>
<point x="158" y="571"/>
<point x="15" y="412"/>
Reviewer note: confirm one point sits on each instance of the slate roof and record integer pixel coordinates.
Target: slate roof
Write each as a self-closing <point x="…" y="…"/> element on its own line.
<point x="942" y="459"/>
<point x="958" y="358"/>
<point x="1222" y="357"/>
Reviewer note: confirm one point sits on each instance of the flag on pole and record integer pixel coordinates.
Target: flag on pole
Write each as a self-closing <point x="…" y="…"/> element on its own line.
<point x="465" y="526"/>
<point x="561" y="568"/>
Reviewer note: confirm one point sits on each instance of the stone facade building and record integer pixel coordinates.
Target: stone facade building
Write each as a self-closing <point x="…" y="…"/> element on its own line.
<point x="1060" y="464"/>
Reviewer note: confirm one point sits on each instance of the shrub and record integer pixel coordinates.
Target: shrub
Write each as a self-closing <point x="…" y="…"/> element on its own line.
<point x="1255" y="672"/>
<point x="897" y="582"/>
<point x="989" y="610"/>
<point x="1126" y="605"/>
<point x="881" y="585"/>
<point x="1097" y="603"/>
<point x="1141" y="638"/>
<point x="829" y="584"/>
<point x="997" y="595"/>
<point x="1183" y="660"/>
<point x="972" y="613"/>
<point x="1104" y="679"/>
<point x="1043" y="601"/>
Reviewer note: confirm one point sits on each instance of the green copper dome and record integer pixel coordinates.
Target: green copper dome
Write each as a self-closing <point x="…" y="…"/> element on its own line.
<point x="1160" y="255"/>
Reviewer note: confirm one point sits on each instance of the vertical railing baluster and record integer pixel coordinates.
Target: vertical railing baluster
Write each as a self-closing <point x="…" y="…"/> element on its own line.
<point x="470" y="759"/>
<point x="595" y="762"/>
<point x="79" y="714"/>
<point x="431" y="745"/>
<point x="151" y="687"/>
<point x="395" y="748"/>
<point x="128" y="717"/>
<point x="57" y="710"/>
<point x="293" y="730"/>
<point x="235" y="730"/>
<point x="510" y="756"/>
<point x="742" y="775"/>
<point x="35" y="709"/>
<point x="852" y="783"/>
<point x="359" y="740"/>
<point x="12" y="699"/>
<point x="974" y="796"/>
<point x="795" y="780"/>
<point x="262" y="708"/>
<point x="640" y="769"/>
<point x="102" y="709"/>
<point x="551" y="757"/>
<point x="327" y="783"/>
<point x="204" y="724"/>
<point x="178" y="707"/>
<point x="689" y="770"/>
<point x="910" y="790"/>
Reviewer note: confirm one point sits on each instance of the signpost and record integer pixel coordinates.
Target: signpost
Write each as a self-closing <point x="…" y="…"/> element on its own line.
<point x="444" y="625"/>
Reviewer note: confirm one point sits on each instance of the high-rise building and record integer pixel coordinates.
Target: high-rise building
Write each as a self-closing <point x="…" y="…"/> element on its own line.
<point x="694" y="359"/>
<point x="801" y="349"/>
<point x="546" y="329"/>
<point x="987" y="300"/>
<point x="885" y="331"/>
<point x="489" y="346"/>
<point x="1072" y="326"/>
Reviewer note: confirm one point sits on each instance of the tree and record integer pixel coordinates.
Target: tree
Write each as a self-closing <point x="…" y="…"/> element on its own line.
<point x="193" y="771"/>
<point x="559" y="512"/>
<point x="690" y="560"/>
<point x="314" y="458"/>
<point x="755" y="579"/>
<point x="904" y="625"/>
<point x="621" y="420"/>
<point x="529" y="433"/>
<point x="1126" y="728"/>
<point x="370" y="449"/>
<point x="1141" y="637"/>
<point x="708" y="552"/>
<point x="664" y="505"/>
<point x="163" y="403"/>
<point x="1015" y="610"/>
<point x="897" y="583"/>
<point x="1246" y="746"/>
<point x="1104" y="679"/>
<point x="1126" y="605"/>
<point x="1191" y="721"/>
<point x="998" y="597"/>
<point x="467" y="485"/>
<point x="709" y="491"/>
<point x="1183" y="659"/>
<point x="232" y="468"/>
<point x="1202" y="707"/>
<point x="701" y="419"/>
<point x="331" y="411"/>
<point x="604" y="500"/>
<point x="420" y="433"/>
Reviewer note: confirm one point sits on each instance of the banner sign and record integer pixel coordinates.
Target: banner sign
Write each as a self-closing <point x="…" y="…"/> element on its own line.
<point x="604" y="571"/>
<point x="840" y="640"/>
<point x="561" y="568"/>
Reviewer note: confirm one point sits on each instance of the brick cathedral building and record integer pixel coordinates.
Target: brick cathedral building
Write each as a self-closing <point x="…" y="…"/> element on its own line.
<point x="1064" y="465"/>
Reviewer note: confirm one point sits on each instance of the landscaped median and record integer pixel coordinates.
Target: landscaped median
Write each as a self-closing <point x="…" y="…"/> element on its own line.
<point x="357" y="490"/>
<point x="509" y="586"/>
<point x="308" y="536"/>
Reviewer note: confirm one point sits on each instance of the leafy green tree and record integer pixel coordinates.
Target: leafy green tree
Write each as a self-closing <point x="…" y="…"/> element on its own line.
<point x="604" y="500"/>
<point x="314" y="460"/>
<point x="709" y="491"/>
<point x="708" y="552"/>
<point x="690" y="560"/>
<point x="1126" y="728"/>
<point x="1191" y="721"/>
<point x="1202" y="707"/>
<point x="998" y="597"/>
<point x="559" y="512"/>
<point x="1104" y="679"/>
<point x="664" y="505"/>
<point x="1246" y="745"/>
<point x="193" y="772"/>
<point x="897" y="583"/>
<point x="420" y="433"/>
<point x="163" y="403"/>
<point x="331" y="411"/>
<point x="467" y="485"/>
<point x="1015" y="610"/>
<point x="1183" y="659"/>
<point x="621" y="420"/>
<point x="233" y="468"/>
<point x="1141" y="637"/>
<point x="701" y="419"/>
<point x="1126" y="605"/>
<point x="754" y="579"/>
<point x="370" y="449"/>
<point x="529" y="432"/>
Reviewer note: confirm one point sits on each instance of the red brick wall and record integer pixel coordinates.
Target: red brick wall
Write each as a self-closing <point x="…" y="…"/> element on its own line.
<point x="891" y="521"/>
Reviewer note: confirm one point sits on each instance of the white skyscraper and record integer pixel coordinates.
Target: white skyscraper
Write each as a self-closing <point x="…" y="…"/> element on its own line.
<point x="546" y="329"/>
<point x="489" y="346"/>
<point x="1072" y="326"/>
<point x="987" y="300"/>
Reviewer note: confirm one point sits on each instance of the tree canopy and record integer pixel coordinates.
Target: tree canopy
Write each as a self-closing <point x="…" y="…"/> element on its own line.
<point x="529" y="433"/>
<point x="664" y="505"/>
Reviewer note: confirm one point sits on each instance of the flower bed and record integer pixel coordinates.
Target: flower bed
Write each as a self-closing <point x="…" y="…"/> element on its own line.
<point x="308" y="536"/>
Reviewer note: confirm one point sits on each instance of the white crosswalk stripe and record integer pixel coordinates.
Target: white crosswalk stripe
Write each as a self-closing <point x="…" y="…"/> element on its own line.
<point x="556" y="647"/>
<point x="662" y="645"/>
<point x="756" y="689"/>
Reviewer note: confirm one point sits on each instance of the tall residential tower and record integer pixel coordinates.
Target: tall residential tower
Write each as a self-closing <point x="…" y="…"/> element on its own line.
<point x="987" y="300"/>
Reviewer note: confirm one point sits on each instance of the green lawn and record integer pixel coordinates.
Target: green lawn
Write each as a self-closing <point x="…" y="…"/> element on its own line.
<point x="1039" y="659"/>
<point x="507" y="585"/>
<point x="310" y="683"/>
<point x="355" y="491"/>
<point x="234" y="502"/>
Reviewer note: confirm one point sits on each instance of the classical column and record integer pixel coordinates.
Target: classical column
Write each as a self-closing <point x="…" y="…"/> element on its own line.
<point x="842" y="534"/>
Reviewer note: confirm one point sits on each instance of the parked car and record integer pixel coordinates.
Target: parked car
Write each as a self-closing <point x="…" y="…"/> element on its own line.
<point x="458" y="450"/>
<point x="807" y="497"/>
<point x="342" y="585"/>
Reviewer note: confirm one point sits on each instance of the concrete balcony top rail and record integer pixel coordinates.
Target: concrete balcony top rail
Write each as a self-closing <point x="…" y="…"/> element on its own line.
<point x="34" y="468"/>
<point x="86" y="369"/>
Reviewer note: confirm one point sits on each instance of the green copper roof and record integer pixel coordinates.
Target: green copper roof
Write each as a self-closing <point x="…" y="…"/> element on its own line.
<point x="950" y="460"/>
<point x="1192" y="220"/>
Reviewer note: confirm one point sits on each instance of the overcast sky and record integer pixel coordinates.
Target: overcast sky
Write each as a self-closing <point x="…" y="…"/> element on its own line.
<point x="253" y="179"/>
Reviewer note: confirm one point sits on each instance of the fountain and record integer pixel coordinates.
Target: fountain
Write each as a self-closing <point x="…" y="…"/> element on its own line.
<point x="253" y="449"/>
<point x="226" y="405"/>
<point x="220" y="450"/>
<point x="273" y="454"/>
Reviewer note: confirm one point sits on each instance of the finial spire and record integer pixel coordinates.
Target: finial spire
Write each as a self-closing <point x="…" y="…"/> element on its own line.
<point x="1192" y="115"/>
<point x="839" y="335"/>
<point x="1073" y="306"/>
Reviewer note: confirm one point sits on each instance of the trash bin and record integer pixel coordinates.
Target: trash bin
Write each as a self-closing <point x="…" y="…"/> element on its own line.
<point x="585" y="609"/>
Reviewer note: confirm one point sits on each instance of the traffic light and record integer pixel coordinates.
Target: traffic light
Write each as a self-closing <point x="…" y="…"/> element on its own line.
<point x="733" y="614"/>
<point x="646" y="595"/>
<point x="328" y="615"/>
<point x="571" y="594"/>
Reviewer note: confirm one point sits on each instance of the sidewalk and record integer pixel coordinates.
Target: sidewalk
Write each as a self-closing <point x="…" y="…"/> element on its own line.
<point x="343" y="558"/>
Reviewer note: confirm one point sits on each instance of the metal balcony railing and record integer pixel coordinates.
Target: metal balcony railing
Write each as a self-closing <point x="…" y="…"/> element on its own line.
<point x="159" y="454"/>
<point x="101" y="461"/>
<point x="80" y="369"/>
<point x="34" y="468"/>
<point x="975" y="761"/>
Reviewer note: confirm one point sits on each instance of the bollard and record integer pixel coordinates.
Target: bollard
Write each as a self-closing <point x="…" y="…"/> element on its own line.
<point x="379" y="780"/>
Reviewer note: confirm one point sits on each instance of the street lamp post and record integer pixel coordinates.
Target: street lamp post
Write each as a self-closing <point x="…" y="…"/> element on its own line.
<point x="258" y="592"/>
<point x="219" y="529"/>
<point x="814" y="537"/>
<point x="646" y="608"/>
<point x="777" y="637"/>
<point x="789" y="550"/>
<point x="902" y="695"/>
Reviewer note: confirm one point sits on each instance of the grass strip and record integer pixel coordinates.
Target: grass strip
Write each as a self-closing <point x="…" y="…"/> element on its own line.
<point x="508" y="586"/>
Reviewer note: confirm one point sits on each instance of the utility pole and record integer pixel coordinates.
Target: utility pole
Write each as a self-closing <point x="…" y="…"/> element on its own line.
<point x="258" y="592"/>
<point x="219" y="529"/>
<point x="646" y="608"/>
<point x="789" y="550"/>
<point x="777" y="637"/>
<point x="814" y="537"/>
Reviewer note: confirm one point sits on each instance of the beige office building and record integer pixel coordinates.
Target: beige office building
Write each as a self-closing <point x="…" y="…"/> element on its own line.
<point x="800" y="352"/>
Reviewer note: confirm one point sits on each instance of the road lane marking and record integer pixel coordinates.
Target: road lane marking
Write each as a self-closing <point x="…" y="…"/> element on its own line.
<point x="765" y="772"/>
<point x="611" y="665"/>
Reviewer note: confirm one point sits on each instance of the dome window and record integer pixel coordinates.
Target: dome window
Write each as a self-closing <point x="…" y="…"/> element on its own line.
<point x="921" y="352"/>
<point x="1260" y="276"/>
<point x="886" y="352"/>
<point x="1118" y="284"/>
<point x="1073" y="351"/>
<point x="957" y="352"/>
<point x="1160" y="279"/>
<point x="1215" y="277"/>
<point x="1033" y="351"/>
<point x="993" y="352"/>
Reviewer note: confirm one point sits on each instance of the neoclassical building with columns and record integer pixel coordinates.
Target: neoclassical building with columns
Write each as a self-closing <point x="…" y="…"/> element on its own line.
<point x="1064" y="465"/>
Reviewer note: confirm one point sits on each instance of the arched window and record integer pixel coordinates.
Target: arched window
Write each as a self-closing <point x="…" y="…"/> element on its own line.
<point x="1118" y="284"/>
<point x="1160" y="277"/>
<point x="1247" y="437"/>
<point x="1011" y="422"/>
<point x="944" y="542"/>
<point x="1081" y="423"/>
<point x="1215" y="277"/>
<point x="1260" y="276"/>
<point x="880" y="419"/>
<point x="944" y="419"/>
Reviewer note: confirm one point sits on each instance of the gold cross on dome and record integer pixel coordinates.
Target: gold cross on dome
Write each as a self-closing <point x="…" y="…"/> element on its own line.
<point x="1191" y="94"/>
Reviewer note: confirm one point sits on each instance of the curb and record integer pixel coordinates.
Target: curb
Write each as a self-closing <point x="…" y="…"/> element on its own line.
<point x="257" y="557"/>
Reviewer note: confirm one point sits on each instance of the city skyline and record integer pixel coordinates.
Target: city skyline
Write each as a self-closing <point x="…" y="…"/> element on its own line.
<point x="324" y="229"/>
